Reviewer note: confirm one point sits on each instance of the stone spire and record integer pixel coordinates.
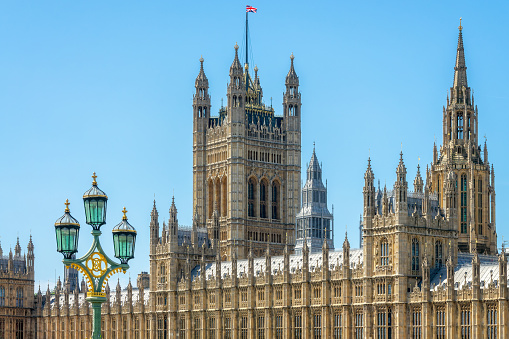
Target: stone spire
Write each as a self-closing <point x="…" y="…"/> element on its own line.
<point x="291" y="77"/>
<point x="418" y="183"/>
<point x="17" y="249"/>
<point x="400" y="187"/>
<point x="460" y="69"/>
<point x="173" y="224"/>
<point x="154" y="228"/>
<point x="236" y="67"/>
<point x="201" y="79"/>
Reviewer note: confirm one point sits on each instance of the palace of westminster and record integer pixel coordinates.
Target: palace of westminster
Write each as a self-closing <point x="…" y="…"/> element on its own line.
<point x="258" y="260"/>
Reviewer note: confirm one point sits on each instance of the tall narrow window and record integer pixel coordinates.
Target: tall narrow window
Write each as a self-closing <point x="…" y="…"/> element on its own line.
<point x="2" y="296"/>
<point x="384" y="252"/>
<point x="275" y="200"/>
<point x="224" y="196"/>
<point x="491" y="323"/>
<point x="416" y="324"/>
<point x="243" y="327"/>
<point x="359" y="325"/>
<point x="298" y="327"/>
<point x="263" y="198"/>
<point x="197" y="328"/>
<point x="460" y="126"/>
<point x="218" y="196"/>
<point x="415" y="254"/>
<point x="463" y="210"/>
<point x="211" y="198"/>
<point x="479" y="206"/>
<point x="251" y="187"/>
<point x="19" y="329"/>
<point x="317" y="326"/>
<point x="212" y="327"/>
<point x="261" y="328"/>
<point x="337" y="333"/>
<point x="465" y="323"/>
<point x="182" y="328"/>
<point x="19" y="297"/>
<point x="438" y="254"/>
<point x="279" y="326"/>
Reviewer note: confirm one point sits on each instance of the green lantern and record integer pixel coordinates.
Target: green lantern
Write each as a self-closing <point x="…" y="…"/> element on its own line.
<point x="95" y="202"/>
<point x="124" y="239"/>
<point x="67" y="231"/>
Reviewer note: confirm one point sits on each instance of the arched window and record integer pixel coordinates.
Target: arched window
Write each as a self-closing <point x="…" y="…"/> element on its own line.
<point x="211" y="198"/>
<point x="19" y="297"/>
<point x="218" y="196"/>
<point x="263" y="198"/>
<point x="438" y="254"/>
<point x="415" y="254"/>
<point x="251" y="191"/>
<point x="384" y="252"/>
<point x="2" y="296"/>
<point x="460" y="126"/>
<point x="479" y="205"/>
<point x="463" y="204"/>
<point x="275" y="200"/>
<point x="224" y="196"/>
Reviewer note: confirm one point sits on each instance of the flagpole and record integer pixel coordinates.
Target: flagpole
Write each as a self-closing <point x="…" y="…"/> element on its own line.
<point x="246" y="36"/>
<point x="247" y="85"/>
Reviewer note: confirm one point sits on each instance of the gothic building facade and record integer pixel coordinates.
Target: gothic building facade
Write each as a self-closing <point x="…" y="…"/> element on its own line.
<point x="17" y="293"/>
<point x="417" y="275"/>
<point x="246" y="163"/>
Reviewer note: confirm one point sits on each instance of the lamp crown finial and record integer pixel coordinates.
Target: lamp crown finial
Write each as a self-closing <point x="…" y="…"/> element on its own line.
<point x="67" y="203"/>
<point x="125" y="216"/>
<point x="94" y="177"/>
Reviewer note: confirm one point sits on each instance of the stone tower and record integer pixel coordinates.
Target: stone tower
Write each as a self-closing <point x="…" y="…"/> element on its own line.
<point x="246" y="164"/>
<point x="461" y="154"/>
<point x="314" y="222"/>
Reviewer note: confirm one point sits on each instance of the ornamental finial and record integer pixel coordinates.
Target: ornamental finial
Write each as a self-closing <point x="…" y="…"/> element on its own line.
<point x="125" y="216"/>
<point x="292" y="56"/>
<point x="67" y="203"/>
<point x="460" y="27"/>
<point x="94" y="183"/>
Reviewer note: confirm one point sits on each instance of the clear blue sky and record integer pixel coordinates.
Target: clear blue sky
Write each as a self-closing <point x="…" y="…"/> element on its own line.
<point x="107" y="86"/>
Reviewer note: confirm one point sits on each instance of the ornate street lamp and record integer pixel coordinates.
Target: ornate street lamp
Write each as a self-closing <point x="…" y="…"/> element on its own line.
<point x="95" y="265"/>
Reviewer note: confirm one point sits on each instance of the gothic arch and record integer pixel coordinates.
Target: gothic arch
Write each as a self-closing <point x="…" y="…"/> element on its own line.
<point x="224" y="196"/>
<point x="210" y="189"/>
<point x="275" y="200"/>
<point x="217" y="196"/>
<point x="264" y="197"/>
<point x="252" y="184"/>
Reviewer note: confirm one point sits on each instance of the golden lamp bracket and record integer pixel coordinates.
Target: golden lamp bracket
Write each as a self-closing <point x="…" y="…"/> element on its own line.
<point x="96" y="267"/>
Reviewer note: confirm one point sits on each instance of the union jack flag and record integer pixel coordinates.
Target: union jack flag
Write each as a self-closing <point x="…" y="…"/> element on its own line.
<point x="250" y="9"/>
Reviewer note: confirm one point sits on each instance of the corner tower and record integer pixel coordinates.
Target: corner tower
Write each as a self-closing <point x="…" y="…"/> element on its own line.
<point x="314" y="222"/>
<point x="246" y="164"/>
<point x="461" y="154"/>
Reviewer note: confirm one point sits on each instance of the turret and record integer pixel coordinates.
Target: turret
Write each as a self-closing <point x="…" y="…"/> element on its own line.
<point x="154" y="229"/>
<point x="236" y="91"/>
<point x="450" y="196"/>
<point x="30" y="258"/>
<point x="292" y="100"/>
<point x="401" y="188"/>
<point x="201" y="101"/>
<point x="369" y="196"/>
<point x="17" y="249"/>
<point x="173" y="224"/>
<point x="418" y="183"/>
